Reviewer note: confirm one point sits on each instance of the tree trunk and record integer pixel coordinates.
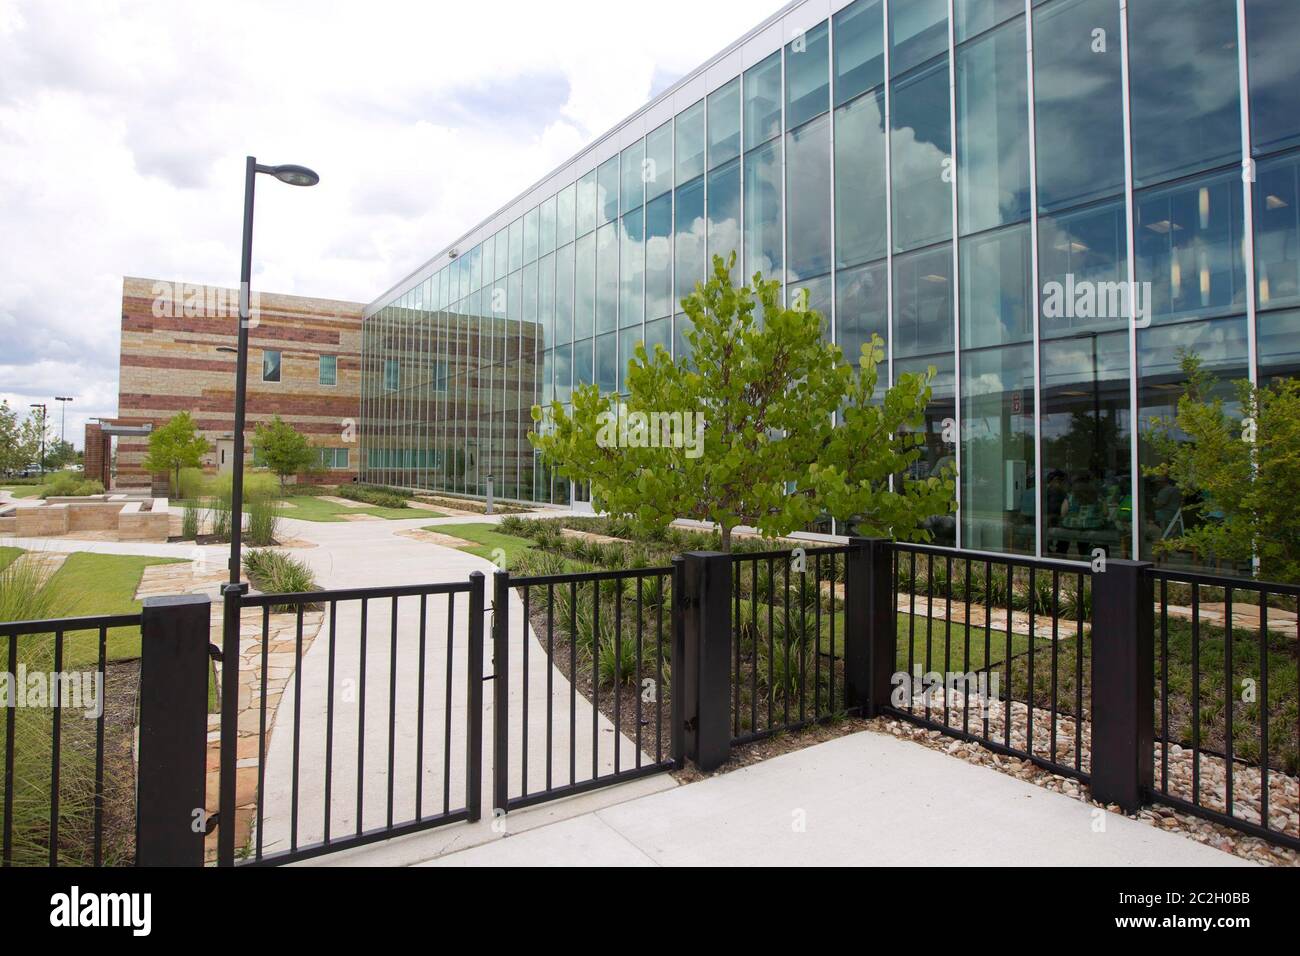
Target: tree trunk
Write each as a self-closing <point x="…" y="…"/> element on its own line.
<point x="726" y="539"/>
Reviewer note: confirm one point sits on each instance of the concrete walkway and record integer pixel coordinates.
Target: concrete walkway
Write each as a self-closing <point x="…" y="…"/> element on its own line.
<point x="865" y="799"/>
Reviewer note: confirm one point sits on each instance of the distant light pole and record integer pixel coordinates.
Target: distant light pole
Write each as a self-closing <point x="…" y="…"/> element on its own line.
<point x="63" y="424"/>
<point x="41" y="406"/>
<point x="294" y="176"/>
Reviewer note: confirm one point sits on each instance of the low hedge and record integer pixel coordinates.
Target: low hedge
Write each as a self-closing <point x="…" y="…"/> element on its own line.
<point x="372" y="496"/>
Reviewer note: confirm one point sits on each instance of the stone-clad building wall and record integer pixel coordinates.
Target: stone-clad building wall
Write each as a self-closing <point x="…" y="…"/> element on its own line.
<point x="170" y="363"/>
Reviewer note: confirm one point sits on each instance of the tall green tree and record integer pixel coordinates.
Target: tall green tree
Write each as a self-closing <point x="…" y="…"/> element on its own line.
<point x="174" y="446"/>
<point x="285" y="450"/>
<point x="1239" y="476"/>
<point x="744" y="430"/>
<point x="20" y="438"/>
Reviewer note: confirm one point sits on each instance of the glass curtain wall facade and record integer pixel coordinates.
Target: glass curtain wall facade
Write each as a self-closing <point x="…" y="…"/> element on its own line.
<point x="1046" y="201"/>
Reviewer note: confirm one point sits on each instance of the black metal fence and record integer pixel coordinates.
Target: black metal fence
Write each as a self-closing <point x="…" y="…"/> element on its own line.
<point x="1144" y="683"/>
<point x="995" y="651"/>
<point x="1227" y="727"/>
<point x="787" y="639"/>
<point x="590" y="704"/>
<point x="54" y="783"/>
<point x="394" y="711"/>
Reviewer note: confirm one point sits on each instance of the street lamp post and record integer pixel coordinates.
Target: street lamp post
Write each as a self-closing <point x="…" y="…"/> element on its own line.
<point x="41" y="406"/>
<point x="63" y="423"/>
<point x="231" y="592"/>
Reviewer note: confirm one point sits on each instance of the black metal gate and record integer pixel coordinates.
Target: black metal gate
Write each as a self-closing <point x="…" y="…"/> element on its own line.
<point x="581" y="683"/>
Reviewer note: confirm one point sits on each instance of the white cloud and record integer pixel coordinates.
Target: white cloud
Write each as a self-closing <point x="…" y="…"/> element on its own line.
<point x="123" y="128"/>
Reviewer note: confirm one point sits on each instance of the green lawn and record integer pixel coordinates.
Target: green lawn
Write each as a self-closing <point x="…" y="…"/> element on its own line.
<point x="7" y="556"/>
<point x="309" y="508"/>
<point x="486" y="538"/>
<point x="100" y="584"/>
<point x="25" y="491"/>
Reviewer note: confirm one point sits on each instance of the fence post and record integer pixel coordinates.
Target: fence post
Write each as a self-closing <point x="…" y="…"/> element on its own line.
<point x="172" y="774"/>
<point x="705" y="677"/>
<point x="1123" y="695"/>
<point x="500" y="691"/>
<point x="232" y="600"/>
<point x="869" y="624"/>
<point x="677" y="698"/>
<point x="474" y="701"/>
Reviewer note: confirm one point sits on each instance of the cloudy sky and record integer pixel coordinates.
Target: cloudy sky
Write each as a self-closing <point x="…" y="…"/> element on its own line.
<point x="124" y="127"/>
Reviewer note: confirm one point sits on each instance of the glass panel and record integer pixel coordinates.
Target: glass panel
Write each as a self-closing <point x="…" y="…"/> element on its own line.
<point x="1079" y="102"/>
<point x="1272" y="39"/>
<point x="487" y="263"/>
<point x="940" y="448"/>
<point x="996" y="308"/>
<point x="807" y="82"/>
<point x="501" y="260"/>
<point x="860" y="181"/>
<point x="859" y="49"/>
<point x="724" y="123"/>
<point x="808" y="164"/>
<point x="999" y="507"/>
<point x="563" y="372"/>
<point x="631" y="269"/>
<point x="530" y="235"/>
<point x="690" y="142"/>
<point x="972" y="17"/>
<point x="564" y="294"/>
<point x="546" y="299"/>
<point x="918" y="30"/>
<point x="724" y="212"/>
<point x="659" y="332"/>
<point x="814" y="295"/>
<point x="607" y="187"/>
<point x="1221" y="346"/>
<point x="1082" y="266"/>
<point x="586" y="209"/>
<point x="475" y="268"/>
<point x="763" y="211"/>
<point x="516" y="244"/>
<point x="993" y="130"/>
<point x="546" y="228"/>
<point x="584" y="295"/>
<point x="628" y="339"/>
<point x="921" y="148"/>
<point x="659" y="161"/>
<point x="1279" y="346"/>
<point x="659" y="257"/>
<point x="861" y="309"/>
<point x="582" y="363"/>
<point x="1188" y="247"/>
<point x="762" y="102"/>
<point x="1087" y="498"/>
<point x="607" y="277"/>
<point x="923" y="302"/>
<point x="327" y="372"/>
<point x="1277" y="232"/>
<point x="632" y="185"/>
<point x="564" y="211"/>
<point x="688" y="241"/>
<point x="607" y="362"/>
<point x="1186" y="111"/>
<point x="270" y="365"/>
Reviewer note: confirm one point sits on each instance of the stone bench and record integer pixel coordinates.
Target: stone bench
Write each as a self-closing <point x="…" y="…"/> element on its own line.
<point x="135" y="523"/>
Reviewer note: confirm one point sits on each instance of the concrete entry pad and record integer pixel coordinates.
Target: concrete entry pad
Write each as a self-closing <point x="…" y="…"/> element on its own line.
<point x="867" y="799"/>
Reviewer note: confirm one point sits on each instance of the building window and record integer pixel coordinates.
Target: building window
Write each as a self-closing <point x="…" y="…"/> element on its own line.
<point x="328" y="373"/>
<point x="270" y="365"/>
<point x="392" y="375"/>
<point x="332" y="458"/>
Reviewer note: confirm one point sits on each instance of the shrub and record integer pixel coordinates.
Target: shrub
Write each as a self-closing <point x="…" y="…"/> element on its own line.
<point x="68" y="484"/>
<point x="191" y="484"/>
<point x="386" y="490"/>
<point x="25" y="594"/>
<point x="263" y="521"/>
<point x="371" y="496"/>
<point x="219" y="517"/>
<point x="274" y="572"/>
<point x="190" y="520"/>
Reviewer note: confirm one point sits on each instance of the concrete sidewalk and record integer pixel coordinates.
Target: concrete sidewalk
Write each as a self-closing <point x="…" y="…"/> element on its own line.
<point x="865" y="799"/>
